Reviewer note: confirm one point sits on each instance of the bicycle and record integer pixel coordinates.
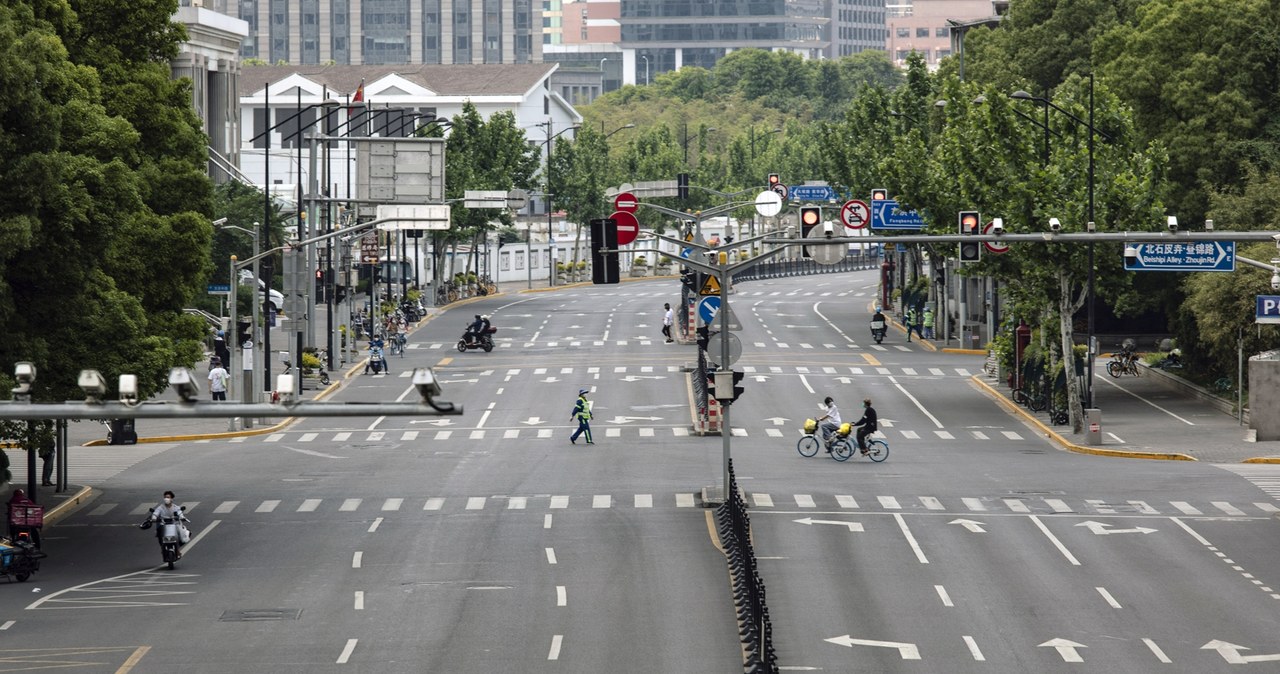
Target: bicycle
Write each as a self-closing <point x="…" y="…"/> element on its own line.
<point x="839" y="444"/>
<point x="1223" y="385"/>
<point x="1034" y="401"/>
<point x="1122" y="364"/>
<point x="397" y="344"/>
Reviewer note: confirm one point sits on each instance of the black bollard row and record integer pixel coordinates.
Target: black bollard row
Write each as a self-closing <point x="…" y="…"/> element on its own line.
<point x="754" y="629"/>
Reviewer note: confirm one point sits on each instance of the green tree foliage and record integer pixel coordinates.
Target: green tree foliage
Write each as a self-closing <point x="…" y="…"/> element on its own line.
<point x="102" y="162"/>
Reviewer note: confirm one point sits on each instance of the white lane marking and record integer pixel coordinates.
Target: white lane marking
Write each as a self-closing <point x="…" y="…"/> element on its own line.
<point x="889" y="502"/>
<point x="225" y="507"/>
<point x="409" y="436"/>
<point x="562" y="596"/>
<point x="805" y="380"/>
<point x="374" y="527"/>
<point x="979" y="435"/>
<point x="559" y="502"/>
<point x="973" y="504"/>
<point x="684" y="500"/>
<point x="942" y="594"/>
<point x="1143" y="508"/>
<point x="483" y="417"/>
<point x="902" y="524"/>
<point x="347" y="651"/>
<point x="973" y="648"/>
<point x="805" y="501"/>
<point x="1156" y="651"/>
<point x="274" y="437"/>
<point x="846" y="501"/>
<point x="1012" y="435"/>
<point x="349" y="505"/>
<point x="1146" y="401"/>
<point x="931" y="503"/>
<point x="1057" y="505"/>
<point x="308" y="437"/>
<point x="917" y="402"/>
<point x="359" y="605"/>
<point x="476" y="503"/>
<point x="1057" y="543"/>
<point x="1227" y="508"/>
<point x="601" y="501"/>
<point x="1016" y="505"/>
<point x="555" y="647"/>
<point x="309" y="505"/>
<point x="944" y="435"/>
<point x="7" y="625"/>
<point x="341" y="437"/>
<point x="356" y="559"/>
<point x="1107" y="596"/>
<point x="762" y="500"/>
<point x="1202" y="540"/>
<point x="312" y="452"/>
<point x="517" y="502"/>
<point x="551" y="555"/>
<point x="546" y="521"/>
<point x="1185" y="508"/>
<point x="644" y="501"/>
<point x="266" y="506"/>
<point x="392" y="504"/>
<point x="434" y="503"/>
<point x="1267" y="508"/>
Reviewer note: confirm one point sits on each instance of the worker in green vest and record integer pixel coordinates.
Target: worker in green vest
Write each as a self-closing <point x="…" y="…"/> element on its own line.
<point x="928" y="323"/>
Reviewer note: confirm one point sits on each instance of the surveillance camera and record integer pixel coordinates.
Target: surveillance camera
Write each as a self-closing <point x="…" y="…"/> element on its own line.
<point x="997" y="226"/>
<point x="1275" y="281"/>
<point x="24" y="372"/>
<point x="1208" y="225"/>
<point x="424" y="379"/>
<point x="1090" y="227"/>
<point x="93" y="385"/>
<point x="219" y="222"/>
<point x="285" y="388"/>
<point x="184" y="384"/>
<point x="129" y="389"/>
<point x="828" y="230"/>
<point x="1055" y="224"/>
<point x="1172" y="221"/>
<point x="1131" y="253"/>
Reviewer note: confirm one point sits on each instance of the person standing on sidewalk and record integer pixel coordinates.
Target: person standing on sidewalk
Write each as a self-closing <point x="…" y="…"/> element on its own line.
<point x="909" y="319"/>
<point x="928" y="324"/>
<point x="218" y="377"/>
<point x="582" y="412"/>
<point x="667" y="319"/>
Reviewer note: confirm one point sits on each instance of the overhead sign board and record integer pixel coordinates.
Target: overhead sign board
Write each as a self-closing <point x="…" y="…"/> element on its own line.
<point x="812" y="193"/>
<point x="1182" y="256"/>
<point x="656" y="188"/>
<point x="417" y="216"/>
<point x="885" y="214"/>
<point x="626" y="202"/>
<point x="855" y="214"/>
<point x="1268" y="309"/>
<point x="369" y="248"/>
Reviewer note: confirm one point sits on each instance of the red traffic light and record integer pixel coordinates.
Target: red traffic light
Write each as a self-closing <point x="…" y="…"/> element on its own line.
<point x="774" y="179"/>
<point x="970" y="222"/>
<point x="810" y="216"/>
<point x="879" y="194"/>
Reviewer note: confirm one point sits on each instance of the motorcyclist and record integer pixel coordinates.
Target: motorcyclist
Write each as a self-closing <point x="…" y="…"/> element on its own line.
<point x="170" y="509"/>
<point x="376" y="356"/>
<point x="19" y="498"/>
<point x="877" y="321"/>
<point x="474" y="330"/>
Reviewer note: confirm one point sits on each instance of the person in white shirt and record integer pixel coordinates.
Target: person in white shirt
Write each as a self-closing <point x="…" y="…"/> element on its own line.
<point x="829" y="422"/>
<point x="666" y="322"/>
<point x="218" y="377"/>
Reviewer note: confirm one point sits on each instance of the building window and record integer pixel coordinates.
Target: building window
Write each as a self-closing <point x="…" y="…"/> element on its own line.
<point x="941" y="31"/>
<point x="903" y="53"/>
<point x="943" y="53"/>
<point x="904" y="32"/>
<point x="922" y="32"/>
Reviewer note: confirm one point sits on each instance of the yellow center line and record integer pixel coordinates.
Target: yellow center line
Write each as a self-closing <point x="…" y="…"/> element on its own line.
<point x="444" y="361"/>
<point x="133" y="660"/>
<point x="871" y="360"/>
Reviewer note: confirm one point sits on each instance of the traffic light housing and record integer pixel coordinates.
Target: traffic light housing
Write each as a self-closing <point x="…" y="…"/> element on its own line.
<point x="810" y="216"/>
<point x="970" y="225"/>
<point x="879" y="194"/>
<point x="728" y="389"/>
<point x="244" y="332"/>
<point x="704" y="337"/>
<point x="774" y="179"/>
<point x="682" y="185"/>
<point x="604" y="266"/>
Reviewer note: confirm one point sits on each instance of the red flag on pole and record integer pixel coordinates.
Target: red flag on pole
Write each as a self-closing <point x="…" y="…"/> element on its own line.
<point x="359" y="93"/>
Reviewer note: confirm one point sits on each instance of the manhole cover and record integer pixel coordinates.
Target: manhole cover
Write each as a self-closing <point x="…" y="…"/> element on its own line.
<point x="260" y="614"/>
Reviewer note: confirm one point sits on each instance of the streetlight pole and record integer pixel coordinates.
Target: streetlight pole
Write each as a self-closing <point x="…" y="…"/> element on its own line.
<point x="646" y="68"/>
<point x="551" y="265"/>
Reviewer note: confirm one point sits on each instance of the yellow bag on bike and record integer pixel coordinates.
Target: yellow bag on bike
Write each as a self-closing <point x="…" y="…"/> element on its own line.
<point x="845" y="429"/>
<point x="810" y="425"/>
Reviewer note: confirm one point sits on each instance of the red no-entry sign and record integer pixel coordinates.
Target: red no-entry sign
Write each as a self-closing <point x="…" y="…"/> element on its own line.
<point x="628" y="226"/>
<point x="626" y="202"/>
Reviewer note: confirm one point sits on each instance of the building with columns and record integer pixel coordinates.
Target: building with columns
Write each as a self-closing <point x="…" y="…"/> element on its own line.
<point x="210" y="59"/>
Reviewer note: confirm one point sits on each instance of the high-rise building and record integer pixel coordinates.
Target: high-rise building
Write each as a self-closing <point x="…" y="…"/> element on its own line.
<point x="392" y="32"/>
<point x="856" y="26"/>
<point x="924" y="26"/>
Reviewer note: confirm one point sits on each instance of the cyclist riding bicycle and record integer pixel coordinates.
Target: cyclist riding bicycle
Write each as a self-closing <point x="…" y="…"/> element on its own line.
<point x="829" y="422"/>
<point x="867" y="425"/>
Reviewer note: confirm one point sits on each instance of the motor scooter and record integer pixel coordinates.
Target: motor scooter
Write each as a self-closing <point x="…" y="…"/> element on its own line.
<point x="484" y="341"/>
<point x="172" y="534"/>
<point x="378" y="360"/>
<point x="878" y="331"/>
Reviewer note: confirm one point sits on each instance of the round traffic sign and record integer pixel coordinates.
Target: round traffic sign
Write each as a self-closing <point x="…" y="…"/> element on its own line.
<point x="996" y="248"/>
<point x="855" y="214"/>
<point x="708" y="307"/>
<point x="625" y="202"/>
<point x="779" y="189"/>
<point x="768" y="203"/>
<point x="628" y="226"/>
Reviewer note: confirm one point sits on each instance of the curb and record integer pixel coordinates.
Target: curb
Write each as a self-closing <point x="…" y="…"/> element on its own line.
<point x="1067" y="444"/>
<point x="65" y="508"/>
<point x="967" y="352"/>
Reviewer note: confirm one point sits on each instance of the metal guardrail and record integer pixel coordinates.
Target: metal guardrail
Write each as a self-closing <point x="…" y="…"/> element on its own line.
<point x="805" y="267"/>
<point x="754" y="626"/>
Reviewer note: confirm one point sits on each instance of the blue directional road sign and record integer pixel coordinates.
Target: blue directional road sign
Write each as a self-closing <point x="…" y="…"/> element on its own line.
<point x="1188" y="256"/>
<point x="1268" y="309"/>
<point x="708" y="307"/>
<point x="812" y="193"/>
<point x="219" y="288"/>
<point x="885" y="214"/>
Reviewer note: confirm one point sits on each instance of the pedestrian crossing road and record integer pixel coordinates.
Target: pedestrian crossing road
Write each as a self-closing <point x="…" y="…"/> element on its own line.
<point x="762" y="501"/>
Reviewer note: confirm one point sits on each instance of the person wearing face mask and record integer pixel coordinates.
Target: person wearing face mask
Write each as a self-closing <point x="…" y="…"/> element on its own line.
<point x="169" y="508"/>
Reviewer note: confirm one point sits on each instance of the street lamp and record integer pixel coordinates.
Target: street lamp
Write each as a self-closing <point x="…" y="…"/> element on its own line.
<point x="646" y="68"/>
<point x="607" y="135"/>
<point x="551" y="264"/>
<point x="1022" y="95"/>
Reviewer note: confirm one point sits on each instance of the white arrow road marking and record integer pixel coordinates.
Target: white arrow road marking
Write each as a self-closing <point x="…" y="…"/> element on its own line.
<point x="971" y="525"/>
<point x="760" y="377"/>
<point x="1067" y="649"/>
<point x="778" y="421"/>
<point x="623" y="420"/>
<point x="799" y="326"/>
<point x="1231" y="653"/>
<point x="435" y="422"/>
<point x="1100" y="528"/>
<point x="548" y="380"/>
<point x="853" y="526"/>
<point x="887" y="423"/>
<point x="907" y="651"/>
<point x="532" y="421"/>
<point x="844" y="380"/>
<point x="637" y="377"/>
<point x="309" y="452"/>
<point x="460" y="381"/>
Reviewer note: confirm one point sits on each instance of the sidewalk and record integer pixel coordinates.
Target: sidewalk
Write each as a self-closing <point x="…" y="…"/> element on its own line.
<point x="1145" y="418"/>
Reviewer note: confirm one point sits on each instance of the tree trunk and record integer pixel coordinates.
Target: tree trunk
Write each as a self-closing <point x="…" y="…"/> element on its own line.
<point x="1066" y="310"/>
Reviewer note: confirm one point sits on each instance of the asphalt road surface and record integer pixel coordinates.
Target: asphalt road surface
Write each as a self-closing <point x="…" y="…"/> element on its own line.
<point x="488" y="543"/>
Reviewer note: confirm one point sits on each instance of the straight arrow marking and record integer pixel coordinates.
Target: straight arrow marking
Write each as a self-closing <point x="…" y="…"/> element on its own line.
<point x="971" y="525"/>
<point x="1067" y="649"/>
<point x="1231" y="653"/>
<point x="907" y="651"/>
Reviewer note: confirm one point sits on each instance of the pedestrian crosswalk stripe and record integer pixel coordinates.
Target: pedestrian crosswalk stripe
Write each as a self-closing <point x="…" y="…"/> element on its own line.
<point x="944" y="435"/>
<point x="963" y="372"/>
<point x="350" y="505"/>
<point x="239" y="439"/>
<point x="644" y="500"/>
<point x="1267" y="507"/>
<point x="544" y="432"/>
<point x="884" y="370"/>
<point x="1100" y="507"/>
<point x="646" y="432"/>
<point x="888" y="503"/>
<point x="680" y="431"/>
<point x="511" y="434"/>
<point x="476" y="503"/>
<point x="477" y="435"/>
<point x="763" y="500"/>
<point x="1143" y="508"/>
<point x="341" y="437"/>
<point x="266" y="506"/>
<point x="1012" y="435"/>
<point x="566" y="370"/>
<point x="409" y="436"/>
<point x="855" y="370"/>
<point x="225" y="507"/>
<point x="307" y="437"/>
<point x="739" y="432"/>
<point x="517" y="503"/>
<point x="1227" y="508"/>
<point x="980" y="435"/>
<point x="773" y="432"/>
<point x="392" y="504"/>
<point x="805" y="501"/>
<point x="901" y="347"/>
<point x="828" y="370"/>
<point x="140" y="509"/>
<point x="1185" y="507"/>
<point x="102" y="509"/>
<point x="684" y="500"/>
<point x="800" y="369"/>
<point x="846" y="501"/>
<point x="936" y="371"/>
<point x="443" y="435"/>
<point x="931" y="503"/>
<point x="433" y="503"/>
<point x="909" y="371"/>
<point x="806" y="346"/>
<point x="601" y="501"/>
<point x="782" y="345"/>
<point x="309" y="505"/>
<point x="376" y="436"/>
<point x="910" y="435"/>
<point x="1058" y="505"/>
<point x="559" y="502"/>
<point x="613" y="432"/>
<point x="274" y="437"/>
<point x="973" y="504"/>
<point x="1016" y="505"/>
